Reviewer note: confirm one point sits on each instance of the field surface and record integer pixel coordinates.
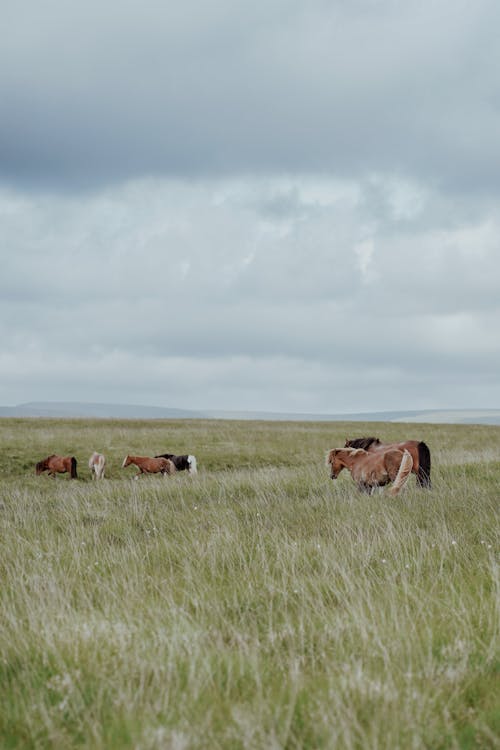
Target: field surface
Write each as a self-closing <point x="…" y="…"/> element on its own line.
<point x="255" y="605"/>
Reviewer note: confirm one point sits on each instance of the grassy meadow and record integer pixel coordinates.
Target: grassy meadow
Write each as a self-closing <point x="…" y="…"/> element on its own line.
<point x="256" y="605"/>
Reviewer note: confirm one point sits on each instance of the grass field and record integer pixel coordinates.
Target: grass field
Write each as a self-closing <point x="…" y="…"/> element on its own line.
<point x="255" y="605"/>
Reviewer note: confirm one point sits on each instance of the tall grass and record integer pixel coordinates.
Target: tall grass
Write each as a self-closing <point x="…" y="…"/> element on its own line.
<point x="255" y="605"/>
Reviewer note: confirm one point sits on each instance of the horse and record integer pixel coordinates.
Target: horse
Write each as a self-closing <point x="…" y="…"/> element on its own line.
<point x="418" y="450"/>
<point x="57" y="465"/>
<point x="147" y="465"/>
<point x="97" y="464"/>
<point x="372" y="470"/>
<point x="181" y="463"/>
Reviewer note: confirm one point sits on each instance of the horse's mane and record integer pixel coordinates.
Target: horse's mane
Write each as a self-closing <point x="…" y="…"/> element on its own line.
<point x="363" y="442"/>
<point x="351" y="451"/>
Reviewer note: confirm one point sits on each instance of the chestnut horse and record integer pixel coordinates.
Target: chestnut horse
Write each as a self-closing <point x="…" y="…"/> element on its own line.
<point x="418" y="450"/>
<point x="148" y="465"/>
<point x="372" y="470"/>
<point x="57" y="465"/>
<point x="181" y="463"/>
<point x="97" y="464"/>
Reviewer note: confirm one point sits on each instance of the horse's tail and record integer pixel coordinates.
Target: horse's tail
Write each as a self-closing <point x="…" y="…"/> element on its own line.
<point x="424" y="466"/>
<point x="99" y="464"/>
<point x="193" y="469"/>
<point x="404" y="472"/>
<point x="73" y="473"/>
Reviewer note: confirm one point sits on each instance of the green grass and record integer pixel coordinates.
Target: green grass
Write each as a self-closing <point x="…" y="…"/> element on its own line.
<point x="256" y="605"/>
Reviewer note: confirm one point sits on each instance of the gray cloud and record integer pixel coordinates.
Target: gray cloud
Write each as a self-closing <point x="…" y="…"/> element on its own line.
<point x="95" y="94"/>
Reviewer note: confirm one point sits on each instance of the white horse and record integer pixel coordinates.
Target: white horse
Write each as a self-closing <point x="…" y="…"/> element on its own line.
<point x="97" y="464"/>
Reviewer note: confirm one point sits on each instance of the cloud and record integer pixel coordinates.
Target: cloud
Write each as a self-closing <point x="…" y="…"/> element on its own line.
<point x="278" y="293"/>
<point x="282" y="205"/>
<point x="94" y="95"/>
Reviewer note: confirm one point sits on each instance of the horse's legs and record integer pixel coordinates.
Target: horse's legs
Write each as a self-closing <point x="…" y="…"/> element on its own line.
<point x="366" y="489"/>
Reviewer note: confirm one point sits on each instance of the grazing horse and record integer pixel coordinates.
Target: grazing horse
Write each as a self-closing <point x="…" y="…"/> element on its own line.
<point x="181" y="463"/>
<point x="418" y="450"/>
<point x="57" y="465"/>
<point x="371" y="470"/>
<point x="97" y="464"/>
<point x="148" y="465"/>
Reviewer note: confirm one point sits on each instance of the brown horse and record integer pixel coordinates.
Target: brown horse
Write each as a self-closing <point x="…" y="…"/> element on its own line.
<point x="372" y="470"/>
<point x="57" y="465"/>
<point x="418" y="450"/>
<point x="148" y="465"/>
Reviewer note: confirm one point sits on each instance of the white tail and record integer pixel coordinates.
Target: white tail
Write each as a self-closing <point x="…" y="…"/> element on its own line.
<point x="403" y="474"/>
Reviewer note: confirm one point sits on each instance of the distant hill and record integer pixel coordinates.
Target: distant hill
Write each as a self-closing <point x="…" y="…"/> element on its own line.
<point x="84" y="410"/>
<point x="96" y="411"/>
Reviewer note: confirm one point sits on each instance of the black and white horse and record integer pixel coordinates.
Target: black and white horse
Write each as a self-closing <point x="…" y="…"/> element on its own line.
<point x="181" y="463"/>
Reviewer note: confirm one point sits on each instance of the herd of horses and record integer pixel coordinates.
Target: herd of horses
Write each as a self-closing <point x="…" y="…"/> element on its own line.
<point x="372" y="464"/>
<point x="166" y="464"/>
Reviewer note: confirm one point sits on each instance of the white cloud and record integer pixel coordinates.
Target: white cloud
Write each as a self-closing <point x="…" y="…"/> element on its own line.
<point x="160" y="292"/>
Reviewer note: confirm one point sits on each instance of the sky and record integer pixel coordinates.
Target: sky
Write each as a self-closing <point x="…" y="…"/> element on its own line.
<point x="280" y="206"/>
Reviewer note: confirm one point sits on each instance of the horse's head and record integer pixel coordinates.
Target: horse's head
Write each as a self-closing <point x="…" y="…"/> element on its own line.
<point x="126" y="461"/>
<point x="40" y="467"/>
<point x="333" y="460"/>
<point x="342" y="458"/>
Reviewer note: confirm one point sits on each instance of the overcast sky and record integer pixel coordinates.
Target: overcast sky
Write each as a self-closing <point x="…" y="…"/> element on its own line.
<point x="287" y="206"/>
